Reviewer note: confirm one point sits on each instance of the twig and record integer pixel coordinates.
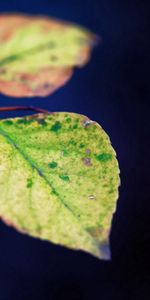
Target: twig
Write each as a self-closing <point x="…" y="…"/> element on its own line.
<point x="10" y="108"/>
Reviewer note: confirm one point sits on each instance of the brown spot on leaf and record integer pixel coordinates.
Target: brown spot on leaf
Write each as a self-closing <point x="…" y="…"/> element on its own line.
<point x="87" y="161"/>
<point x="53" y="58"/>
<point x="2" y="71"/>
<point x="96" y="232"/>
<point x="88" y="151"/>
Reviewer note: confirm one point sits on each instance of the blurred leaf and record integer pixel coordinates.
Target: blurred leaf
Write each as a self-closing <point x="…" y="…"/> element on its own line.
<point x="59" y="179"/>
<point x="37" y="54"/>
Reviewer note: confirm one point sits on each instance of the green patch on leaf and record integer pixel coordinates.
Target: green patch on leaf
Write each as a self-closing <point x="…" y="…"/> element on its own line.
<point x="81" y="145"/>
<point x="8" y="122"/>
<point x="68" y="119"/>
<point x="103" y="157"/>
<point x="29" y="183"/>
<point x="53" y="164"/>
<point x="64" y="177"/>
<point x="56" y="127"/>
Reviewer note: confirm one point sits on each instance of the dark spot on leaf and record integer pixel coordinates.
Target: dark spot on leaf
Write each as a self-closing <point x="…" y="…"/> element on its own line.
<point x="53" y="164"/>
<point x="29" y="183"/>
<point x="64" y="177"/>
<point x="81" y="145"/>
<point x="40" y="173"/>
<point x="68" y="119"/>
<point x="47" y="85"/>
<point x="103" y="157"/>
<point x="8" y="122"/>
<point x="56" y="127"/>
<point x="87" y="161"/>
<point x="53" y="58"/>
<point x="75" y="126"/>
<point x="88" y="151"/>
<point x="41" y="122"/>
<point x="72" y="142"/>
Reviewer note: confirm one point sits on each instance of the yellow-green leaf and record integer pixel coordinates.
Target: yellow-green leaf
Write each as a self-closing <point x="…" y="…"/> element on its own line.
<point x="59" y="179"/>
<point x="37" y="54"/>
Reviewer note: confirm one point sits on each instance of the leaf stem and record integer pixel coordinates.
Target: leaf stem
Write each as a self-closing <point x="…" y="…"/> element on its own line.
<point x="10" y="108"/>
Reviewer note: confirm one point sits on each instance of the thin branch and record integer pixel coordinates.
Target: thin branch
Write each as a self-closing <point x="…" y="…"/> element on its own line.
<point x="10" y="108"/>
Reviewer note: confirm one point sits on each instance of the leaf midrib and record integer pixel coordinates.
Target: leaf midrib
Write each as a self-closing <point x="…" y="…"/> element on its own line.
<point x="33" y="166"/>
<point x="40" y="173"/>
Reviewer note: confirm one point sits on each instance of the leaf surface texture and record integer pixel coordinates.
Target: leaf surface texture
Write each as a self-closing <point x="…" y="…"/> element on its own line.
<point x="59" y="179"/>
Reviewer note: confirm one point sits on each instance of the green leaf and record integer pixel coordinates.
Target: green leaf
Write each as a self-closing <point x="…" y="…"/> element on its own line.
<point x="59" y="179"/>
<point x="37" y="54"/>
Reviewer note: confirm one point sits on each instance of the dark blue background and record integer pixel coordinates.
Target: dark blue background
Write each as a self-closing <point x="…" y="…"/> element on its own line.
<point x="113" y="90"/>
